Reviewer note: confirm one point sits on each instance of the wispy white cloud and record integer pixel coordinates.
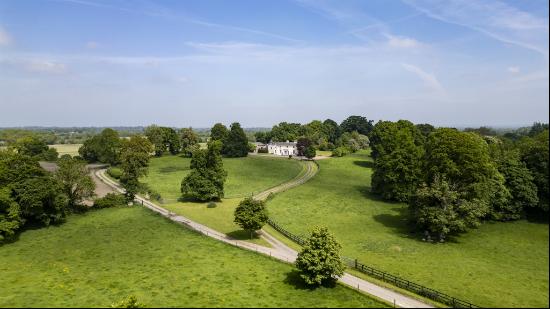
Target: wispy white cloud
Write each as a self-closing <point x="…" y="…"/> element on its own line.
<point x="44" y="66"/>
<point x="429" y="79"/>
<point x="513" y="69"/>
<point x="402" y="42"/>
<point x="5" y="38"/>
<point x="492" y="18"/>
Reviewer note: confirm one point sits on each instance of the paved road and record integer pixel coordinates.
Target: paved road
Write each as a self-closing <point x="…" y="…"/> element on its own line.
<point x="279" y="250"/>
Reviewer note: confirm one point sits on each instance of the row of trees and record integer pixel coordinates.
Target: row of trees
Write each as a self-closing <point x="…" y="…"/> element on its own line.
<point x="349" y="136"/>
<point x="453" y="180"/>
<point x="29" y="195"/>
<point x="165" y="139"/>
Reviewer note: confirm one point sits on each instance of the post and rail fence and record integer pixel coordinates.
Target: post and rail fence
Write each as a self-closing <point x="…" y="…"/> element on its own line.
<point x="387" y="277"/>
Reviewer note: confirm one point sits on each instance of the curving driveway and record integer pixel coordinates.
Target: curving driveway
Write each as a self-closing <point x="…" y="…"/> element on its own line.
<point x="279" y="251"/>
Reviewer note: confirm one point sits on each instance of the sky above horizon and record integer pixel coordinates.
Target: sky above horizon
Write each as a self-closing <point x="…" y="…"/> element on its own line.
<point x="195" y="63"/>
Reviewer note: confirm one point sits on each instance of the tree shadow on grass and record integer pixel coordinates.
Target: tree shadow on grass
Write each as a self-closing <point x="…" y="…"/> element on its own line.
<point x="293" y="279"/>
<point x="243" y="235"/>
<point x="397" y="220"/>
<point x="366" y="191"/>
<point x="364" y="163"/>
<point x="537" y="216"/>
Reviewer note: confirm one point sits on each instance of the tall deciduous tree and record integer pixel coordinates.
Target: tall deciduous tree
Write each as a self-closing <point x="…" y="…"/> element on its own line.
<point x="439" y="209"/>
<point x="235" y="143"/>
<point x="104" y="147"/>
<point x="134" y="156"/>
<point x="357" y="123"/>
<point x="206" y="179"/>
<point x="397" y="160"/>
<point x="218" y="132"/>
<point x="75" y="179"/>
<point x="10" y="218"/>
<point x="189" y="141"/>
<point x="251" y="215"/>
<point x="319" y="261"/>
<point x="41" y="199"/>
<point x="534" y="152"/>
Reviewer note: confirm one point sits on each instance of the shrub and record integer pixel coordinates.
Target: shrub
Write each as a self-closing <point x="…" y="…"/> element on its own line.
<point x="262" y="150"/>
<point x="114" y="172"/>
<point x="340" y="152"/>
<point x="110" y="200"/>
<point x="211" y="205"/>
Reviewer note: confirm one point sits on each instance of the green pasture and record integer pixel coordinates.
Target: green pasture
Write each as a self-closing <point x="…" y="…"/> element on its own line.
<point x="499" y="264"/>
<point x="100" y="257"/>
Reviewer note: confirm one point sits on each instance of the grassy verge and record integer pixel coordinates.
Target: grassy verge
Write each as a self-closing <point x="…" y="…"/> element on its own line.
<point x="100" y="257"/>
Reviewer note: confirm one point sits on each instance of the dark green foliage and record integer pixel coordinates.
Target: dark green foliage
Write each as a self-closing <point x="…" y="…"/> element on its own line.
<point x="189" y="141"/>
<point x="251" y="214"/>
<point x="310" y="152"/>
<point x="331" y="130"/>
<point x="110" y="200"/>
<point x="163" y="139"/>
<point x="319" y="261"/>
<point x="537" y="128"/>
<point x="172" y="140"/>
<point x="134" y="157"/>
<point x="534" y="152"/>
<point x="463" y="159"/>
<point x="235" y="143"/>
<point x="285" y="131"/>
<point x="104" y="147"/>
<point x="15" y="167"/>
<point x="30" y="146"/>
<point x="440" y="210"/>
<point x="262" y="137"/>
<point x="41" y="200"/>
<point x="425" y="129"/>
<point x="357" y="123"/>
<point x="518" y="180"/>
<point x="398" y="160"/>
<point x="206" y="180"/>
<point x="218" y="132"/>
<point x="303" y="144"/>
<point x="10" y="218"/>
<point x="75" y="179"/>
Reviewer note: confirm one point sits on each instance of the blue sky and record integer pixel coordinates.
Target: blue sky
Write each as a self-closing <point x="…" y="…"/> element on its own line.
<point x="195" y="63"/>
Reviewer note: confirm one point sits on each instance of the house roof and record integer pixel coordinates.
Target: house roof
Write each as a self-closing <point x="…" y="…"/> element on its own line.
<point x="284" y="144"/>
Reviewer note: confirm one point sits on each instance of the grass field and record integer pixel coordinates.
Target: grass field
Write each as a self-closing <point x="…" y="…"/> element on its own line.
<point x="70" y="149"/>
<point x="100" y="257"/>
<point x="245" y="176"/>
<point x="499" y="264"/>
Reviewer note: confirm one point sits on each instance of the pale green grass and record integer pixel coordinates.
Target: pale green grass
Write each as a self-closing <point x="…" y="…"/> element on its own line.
<point x="245" y="176"/>
<point x="326" y="153"/>
<point x="70" y="149"/>
<point x="499" y="264"/>
<point x="100" y="257"/>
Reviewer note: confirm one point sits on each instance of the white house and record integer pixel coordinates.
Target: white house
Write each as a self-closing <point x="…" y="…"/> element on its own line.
<point x="282" y="148"/>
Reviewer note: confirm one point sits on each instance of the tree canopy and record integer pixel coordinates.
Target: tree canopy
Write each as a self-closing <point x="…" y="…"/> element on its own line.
<point x="104" y="147"/>
<point x="357" y="123"/>
<point x="235" y="144"/>
<point x="319" y="261"/>
<point x="251" y="214"/>
<point x="207" y="177"/>
<point x="134" y="157"/>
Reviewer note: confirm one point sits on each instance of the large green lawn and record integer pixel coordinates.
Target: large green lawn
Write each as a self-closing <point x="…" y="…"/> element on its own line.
<point x="245" y="176"/>
<point x="100" y="257"/>
<point x="499" y="264"/>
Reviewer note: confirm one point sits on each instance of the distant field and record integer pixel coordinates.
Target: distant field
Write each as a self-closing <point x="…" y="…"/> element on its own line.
<point x="497" y="265"/>
<point x="326" y="153"/>
<point x="70" y="149"/>
<point x="98" y="258"/>
<point x="245" y="176"/>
